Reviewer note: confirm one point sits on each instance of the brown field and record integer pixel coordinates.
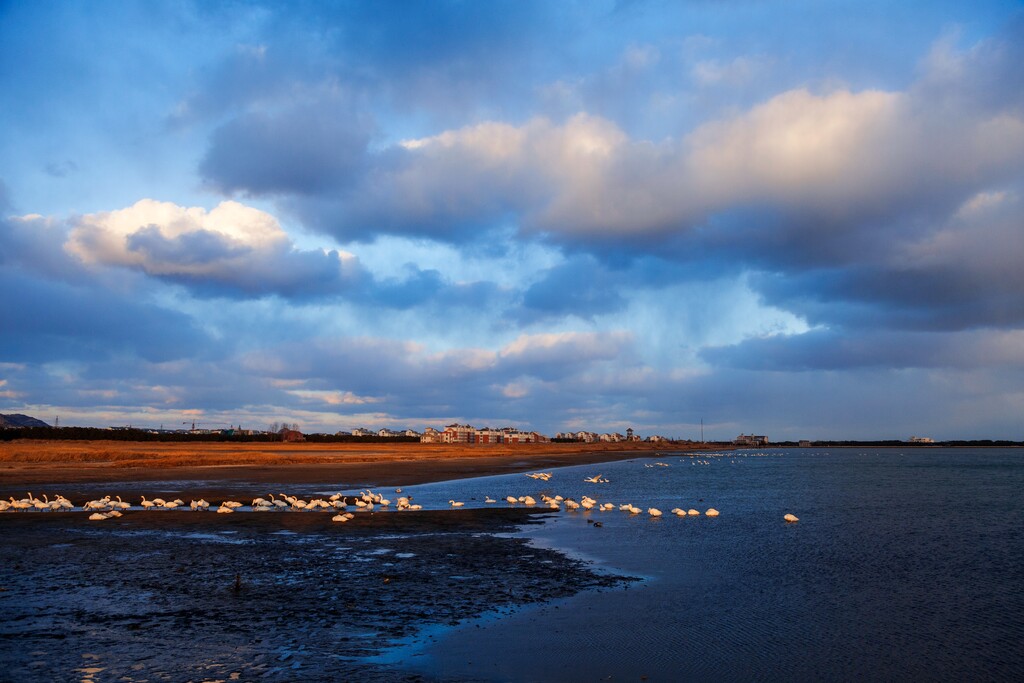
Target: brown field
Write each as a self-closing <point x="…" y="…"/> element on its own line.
<point x="28" y="461"/>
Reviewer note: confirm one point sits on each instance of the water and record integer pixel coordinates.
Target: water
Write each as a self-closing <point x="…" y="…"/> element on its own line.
<point x="904" y="566"/>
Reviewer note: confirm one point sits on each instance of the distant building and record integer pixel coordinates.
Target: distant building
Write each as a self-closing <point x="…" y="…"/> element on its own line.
<point x="291" y="435"/>
<point x="431" y="435"/>
<point x="921" y="439"/>
<point x="804" y="443"/>
<point x="750" y="440"/>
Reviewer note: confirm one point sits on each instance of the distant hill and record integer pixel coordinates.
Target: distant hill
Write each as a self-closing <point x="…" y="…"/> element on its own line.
<point x="13" y="421"/>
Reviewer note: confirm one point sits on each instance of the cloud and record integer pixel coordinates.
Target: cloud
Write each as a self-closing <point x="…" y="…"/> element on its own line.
<point x="231" y="250"/>
<point x="314" y="148"/>
<point x="837" y="350"/>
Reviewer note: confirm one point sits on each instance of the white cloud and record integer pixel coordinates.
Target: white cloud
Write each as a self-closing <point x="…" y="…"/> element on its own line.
<point x="231" y="248"/>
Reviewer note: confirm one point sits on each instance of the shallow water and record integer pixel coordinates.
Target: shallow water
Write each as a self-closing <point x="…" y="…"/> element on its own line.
<point x="904" y="566"/>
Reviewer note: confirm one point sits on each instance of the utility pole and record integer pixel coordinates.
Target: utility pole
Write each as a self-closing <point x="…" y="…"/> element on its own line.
<point x="702" y="430"/>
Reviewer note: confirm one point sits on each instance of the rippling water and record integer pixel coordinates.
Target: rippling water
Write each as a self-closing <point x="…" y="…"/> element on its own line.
<point x="904" y="566"/>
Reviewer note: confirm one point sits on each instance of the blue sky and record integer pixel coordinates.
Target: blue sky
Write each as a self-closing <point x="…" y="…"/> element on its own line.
<point x="802" y="219"/>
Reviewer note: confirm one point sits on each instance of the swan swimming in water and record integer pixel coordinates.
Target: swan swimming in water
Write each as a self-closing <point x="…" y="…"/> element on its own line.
<point x="455" y="504"/>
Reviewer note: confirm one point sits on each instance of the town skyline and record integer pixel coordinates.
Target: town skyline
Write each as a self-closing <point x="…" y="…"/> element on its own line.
<point x="802" y="219"/>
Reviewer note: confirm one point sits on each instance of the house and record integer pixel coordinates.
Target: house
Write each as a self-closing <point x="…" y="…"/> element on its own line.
<point x="291" y="435"/>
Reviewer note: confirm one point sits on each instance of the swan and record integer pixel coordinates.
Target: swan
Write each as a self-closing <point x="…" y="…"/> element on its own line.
<point x="692" y="512"/>
<point x="488" y="499"/>
<point x="571" y="504"/>
<point x="790" y="517"/>
<point x="147" y="504"/>
<point x="528" y="500"/>
<point x="341" y="504"/>
<point x="96" y="516"/>
<point x="511" y="499"/>
<point x="223" y="510"/>
<point x="278" y="503"/>
<point x="454" y="504"/>
<point x="654" y="512"/>
<point x="712" y="512"/>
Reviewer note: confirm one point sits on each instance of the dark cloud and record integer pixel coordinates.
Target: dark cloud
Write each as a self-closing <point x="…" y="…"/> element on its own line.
<point x="581" y="287"/>
<point x="428" y="287"/>
<point x="48" y="321"/>
<point x="841" y="350"/>
<point x="306" y="151"/>
<point x="198" y="247"/>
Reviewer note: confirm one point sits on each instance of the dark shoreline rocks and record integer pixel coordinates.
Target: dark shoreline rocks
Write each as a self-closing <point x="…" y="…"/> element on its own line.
<point x="176" y="596"/>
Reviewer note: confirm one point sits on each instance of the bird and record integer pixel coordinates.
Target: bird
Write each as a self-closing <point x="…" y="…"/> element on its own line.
<point x="712" y="512"/>
<point x="147" y="504"/>
<point x="488" y="499"/>
<point x="654" y="512"/>
<point x="455" y="504"/>
<point x="97" y="516"/>
<point x="790" y="517"/>
<point x="511" y="499"/>
<point x="692" y="512"/>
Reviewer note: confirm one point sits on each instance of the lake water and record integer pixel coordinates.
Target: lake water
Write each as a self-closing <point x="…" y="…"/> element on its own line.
<point x="903" y="566"/>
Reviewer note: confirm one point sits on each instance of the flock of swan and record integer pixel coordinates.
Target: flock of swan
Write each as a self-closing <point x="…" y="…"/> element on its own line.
<point x="109" y="507"/>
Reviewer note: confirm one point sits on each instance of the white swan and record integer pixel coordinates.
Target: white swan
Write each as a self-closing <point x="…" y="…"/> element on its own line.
<point x="712" y="512"/>
<point x="790" y="517"/>
<point x="488" y="499"/>
<point x="455" y="504"/>
<point x="147" y="504"/>
<point x="654" y="512"/>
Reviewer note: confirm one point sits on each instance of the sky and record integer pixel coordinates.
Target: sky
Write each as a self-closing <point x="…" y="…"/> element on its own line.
<point x="798" y="219"/>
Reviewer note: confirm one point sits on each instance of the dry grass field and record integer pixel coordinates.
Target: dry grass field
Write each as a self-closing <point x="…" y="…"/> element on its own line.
<point x="26" y="461"/>
<point x="126" y="454"/>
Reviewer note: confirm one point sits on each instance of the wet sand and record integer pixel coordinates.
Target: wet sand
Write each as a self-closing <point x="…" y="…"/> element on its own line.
<point x="183" y="596"/>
